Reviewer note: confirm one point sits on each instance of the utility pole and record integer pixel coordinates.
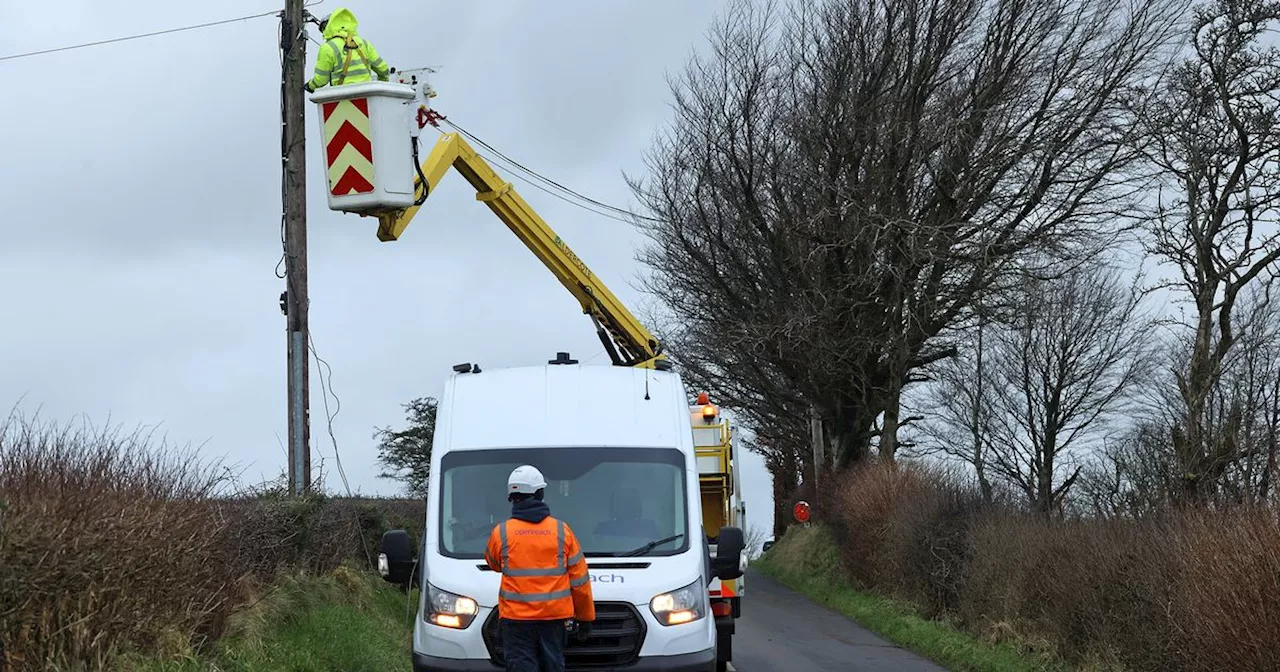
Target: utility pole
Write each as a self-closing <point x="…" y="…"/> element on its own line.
<point x="819" y="442"/>
<point x="293" y="46"/>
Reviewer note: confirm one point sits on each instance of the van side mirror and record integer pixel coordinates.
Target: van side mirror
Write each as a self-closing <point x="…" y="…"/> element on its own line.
<point x="395" y="557"/>
<point x="727" y="565"/>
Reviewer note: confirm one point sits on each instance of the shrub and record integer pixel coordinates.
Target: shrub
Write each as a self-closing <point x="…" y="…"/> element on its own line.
<point x="1092" y="589"/>
<point x="1226" y="605"/>
<point x="1179" y="591"/>
<point x="110" y="542"/>
<point x="104" y="544"/>
<point x="905" y="531"/>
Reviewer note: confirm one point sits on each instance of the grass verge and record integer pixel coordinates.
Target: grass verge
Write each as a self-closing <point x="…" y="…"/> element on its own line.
<point x="347" y="620"/>
<point x="807" y="561"/>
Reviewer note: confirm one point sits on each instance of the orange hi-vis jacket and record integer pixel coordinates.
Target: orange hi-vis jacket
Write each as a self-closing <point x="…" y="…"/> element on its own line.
<point x="544" y="575"/>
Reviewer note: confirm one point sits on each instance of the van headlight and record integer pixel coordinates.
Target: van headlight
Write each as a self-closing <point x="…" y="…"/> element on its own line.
<point x="680" y="606"/>
<point x="448" y="610"/>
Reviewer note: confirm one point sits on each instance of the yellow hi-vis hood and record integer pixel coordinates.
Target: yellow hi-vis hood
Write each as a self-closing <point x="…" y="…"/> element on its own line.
<point x="341" y="22"/>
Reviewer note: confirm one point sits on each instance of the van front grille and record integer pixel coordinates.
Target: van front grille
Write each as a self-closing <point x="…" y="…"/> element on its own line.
<point x="616" y="637"/>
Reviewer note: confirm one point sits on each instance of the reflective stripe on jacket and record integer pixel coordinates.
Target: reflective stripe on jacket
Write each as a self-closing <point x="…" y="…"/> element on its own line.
<point x="544" y="574"/>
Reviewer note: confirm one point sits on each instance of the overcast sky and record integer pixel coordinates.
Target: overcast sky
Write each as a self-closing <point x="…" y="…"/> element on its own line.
<point x="142" y="199"/>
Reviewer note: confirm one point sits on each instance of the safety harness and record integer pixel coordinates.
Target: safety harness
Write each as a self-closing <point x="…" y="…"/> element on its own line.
<point x="353" y="45"/>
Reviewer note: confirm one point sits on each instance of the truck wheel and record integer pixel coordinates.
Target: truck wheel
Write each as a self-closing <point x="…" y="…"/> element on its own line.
<point x="724" y="652"/>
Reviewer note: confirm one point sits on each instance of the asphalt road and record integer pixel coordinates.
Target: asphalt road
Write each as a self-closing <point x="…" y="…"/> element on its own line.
<point x="782" y="631"/>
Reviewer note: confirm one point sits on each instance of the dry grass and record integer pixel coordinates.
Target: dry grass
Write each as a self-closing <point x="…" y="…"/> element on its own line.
<point x="111" y="543"/>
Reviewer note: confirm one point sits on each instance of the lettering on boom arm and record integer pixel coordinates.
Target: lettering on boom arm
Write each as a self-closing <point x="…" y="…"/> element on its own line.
<point x="573" y="257"/>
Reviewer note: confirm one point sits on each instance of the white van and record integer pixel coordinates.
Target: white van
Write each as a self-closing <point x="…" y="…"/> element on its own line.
<point x="616" y="448"/>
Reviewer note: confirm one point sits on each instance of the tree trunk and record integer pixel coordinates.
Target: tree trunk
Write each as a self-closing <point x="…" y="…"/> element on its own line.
<point x="1273" y="420"/>
<point x="781" y="495"/>
<point x="1044" y="479"/>
<point x="976" y="424"/>
<point x="1195" y="388"/>
<point x="889" y="434"/>
<point x="785" y="473"/>
<point x="850" y="435"/>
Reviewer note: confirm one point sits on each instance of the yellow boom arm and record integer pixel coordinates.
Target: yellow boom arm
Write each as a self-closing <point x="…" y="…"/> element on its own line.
<point x="626" y="340"/>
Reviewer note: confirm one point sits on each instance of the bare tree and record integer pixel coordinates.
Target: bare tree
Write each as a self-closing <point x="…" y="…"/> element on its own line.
<point x="1062" y="372"/>
<point x="1132" y="476"/>
<point x="1241" y="411"/>
<point x="1255" y="380"/>
<point x="1215" y="132"/>
<point x="755" y="538"/>
<point x="1044" y="386"/>
<point x="958" y="419"/>
<point x="789" y="458"/>
<point x="1140" y="473"/>
<point x="843" y="181"/>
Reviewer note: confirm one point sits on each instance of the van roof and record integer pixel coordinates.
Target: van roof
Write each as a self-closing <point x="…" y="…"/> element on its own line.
<point x="565" y="405"/>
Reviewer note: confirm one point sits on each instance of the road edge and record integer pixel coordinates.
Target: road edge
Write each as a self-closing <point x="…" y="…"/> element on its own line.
<point x="900" y="623"/>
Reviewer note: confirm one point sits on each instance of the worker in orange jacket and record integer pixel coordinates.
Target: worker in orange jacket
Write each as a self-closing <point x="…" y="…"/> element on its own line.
<point x="545" y="585"/>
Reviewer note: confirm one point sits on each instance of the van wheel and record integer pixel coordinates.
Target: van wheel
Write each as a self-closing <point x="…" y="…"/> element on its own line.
<point x="724" y="652"/>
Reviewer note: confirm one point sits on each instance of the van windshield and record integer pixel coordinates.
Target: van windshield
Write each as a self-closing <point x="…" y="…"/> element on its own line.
<point x="615" y="500"/>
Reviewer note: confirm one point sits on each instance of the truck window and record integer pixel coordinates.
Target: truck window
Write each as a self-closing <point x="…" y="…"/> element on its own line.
<point x="614" y="499"/>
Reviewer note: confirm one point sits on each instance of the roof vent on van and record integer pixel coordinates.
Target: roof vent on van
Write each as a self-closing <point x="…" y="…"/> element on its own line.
<point x="466" y="368"/>
<point x="562" y="358"/>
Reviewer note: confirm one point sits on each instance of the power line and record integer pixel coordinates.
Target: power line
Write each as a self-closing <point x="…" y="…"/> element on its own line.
<point x="552" y="183"/>
<point x="596" y="356"/>
<point x="126" y="39"/>
<point x="517" y="174"/>
<point x="570" y="201"/>
<point x="136" y="37"/>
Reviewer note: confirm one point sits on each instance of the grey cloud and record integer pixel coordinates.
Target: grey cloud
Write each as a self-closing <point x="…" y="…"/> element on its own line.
<point x="141" y="190"/>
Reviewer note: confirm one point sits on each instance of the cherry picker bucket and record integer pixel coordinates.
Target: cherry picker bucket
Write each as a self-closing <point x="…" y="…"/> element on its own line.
<point x="367" y="145"/>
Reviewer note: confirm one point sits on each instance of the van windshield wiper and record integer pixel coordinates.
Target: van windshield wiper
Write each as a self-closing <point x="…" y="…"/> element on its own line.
<point x="650" y="546"/>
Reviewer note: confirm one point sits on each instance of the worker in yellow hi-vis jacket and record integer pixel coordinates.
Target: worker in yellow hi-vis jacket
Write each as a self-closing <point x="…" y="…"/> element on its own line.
<point x="345" y="57"/>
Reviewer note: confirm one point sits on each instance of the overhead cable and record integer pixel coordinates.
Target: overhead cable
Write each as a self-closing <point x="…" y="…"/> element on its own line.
<point x="552" y="184"/>
<point x="517" y="173"/>
<point x="126" y="38"/>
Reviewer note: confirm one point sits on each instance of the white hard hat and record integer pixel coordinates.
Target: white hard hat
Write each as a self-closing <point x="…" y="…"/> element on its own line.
<point x="525" y="480"/>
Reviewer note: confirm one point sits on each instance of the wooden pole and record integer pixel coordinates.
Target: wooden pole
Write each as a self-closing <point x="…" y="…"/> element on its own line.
<point x="294" y="46"/>
<point x="819" y="443"/>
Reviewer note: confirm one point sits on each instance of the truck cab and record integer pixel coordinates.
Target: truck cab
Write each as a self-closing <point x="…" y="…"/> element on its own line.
<point x="615" y="446"/>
